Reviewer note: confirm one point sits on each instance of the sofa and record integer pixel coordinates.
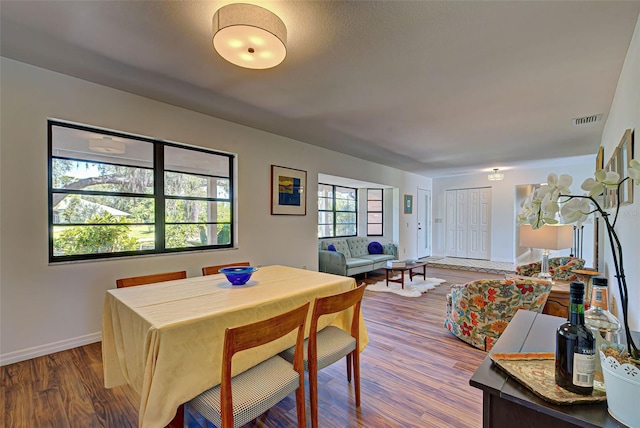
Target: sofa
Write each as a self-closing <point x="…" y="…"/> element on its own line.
<point x="479" y="311"/>
<point x="351" y="256"/>
<point x="560" y="268"/>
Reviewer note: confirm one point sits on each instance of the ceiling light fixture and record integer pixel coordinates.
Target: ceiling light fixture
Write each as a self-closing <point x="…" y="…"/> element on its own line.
<point x="249" y="36"/>
<point x="107" y="145"/>
<point x="495" y="175"/>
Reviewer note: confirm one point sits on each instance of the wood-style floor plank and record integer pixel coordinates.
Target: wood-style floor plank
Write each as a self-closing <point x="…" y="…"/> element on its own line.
<point x="414" y="373"/>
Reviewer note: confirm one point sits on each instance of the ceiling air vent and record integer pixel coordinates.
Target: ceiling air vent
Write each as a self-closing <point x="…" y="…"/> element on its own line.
<point x="586" y="119"/>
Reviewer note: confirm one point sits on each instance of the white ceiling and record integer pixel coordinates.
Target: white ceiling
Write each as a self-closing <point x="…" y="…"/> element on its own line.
<point x="433" y="87"/>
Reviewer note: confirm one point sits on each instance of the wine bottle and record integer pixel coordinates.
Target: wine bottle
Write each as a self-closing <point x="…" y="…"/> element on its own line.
<point x="575" y="347"/>
<point x="603" y="324"/>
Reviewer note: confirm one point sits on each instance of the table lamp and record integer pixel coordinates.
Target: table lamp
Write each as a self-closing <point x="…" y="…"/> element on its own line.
<point x="548" y="237"/>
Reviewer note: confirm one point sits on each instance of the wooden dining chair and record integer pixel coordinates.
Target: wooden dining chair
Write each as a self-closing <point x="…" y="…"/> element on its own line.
<point x="240" y="399"/>
<point x="150" y="279"/>
<point x="330" y="344"/>
<point x="212" y="270"/>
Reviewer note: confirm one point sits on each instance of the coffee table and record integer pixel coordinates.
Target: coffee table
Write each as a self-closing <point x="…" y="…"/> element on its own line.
<point x="408" y="267"/>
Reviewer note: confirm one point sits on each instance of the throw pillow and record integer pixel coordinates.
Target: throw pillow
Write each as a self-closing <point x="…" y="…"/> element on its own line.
<point x="331" y="247"/>
<point x="375" y="248"/>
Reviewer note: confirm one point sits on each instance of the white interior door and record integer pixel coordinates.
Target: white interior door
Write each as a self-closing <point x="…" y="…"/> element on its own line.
<point x="450" y="224"/>
<point x="478" y="217"/>
<point x="462" y="200"/>
<point x="468" y="227"/>
<point x="424" y="223"/>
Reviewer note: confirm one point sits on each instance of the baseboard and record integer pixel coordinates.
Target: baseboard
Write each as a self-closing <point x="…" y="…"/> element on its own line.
<point x="49" y="348"/>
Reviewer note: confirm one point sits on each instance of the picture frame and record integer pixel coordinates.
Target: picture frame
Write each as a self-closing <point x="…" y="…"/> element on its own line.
<point x="625" y="154"/>
<point x="408" y="204"/>
<point x="600" y="159"/>
<point x="288" y="195"/>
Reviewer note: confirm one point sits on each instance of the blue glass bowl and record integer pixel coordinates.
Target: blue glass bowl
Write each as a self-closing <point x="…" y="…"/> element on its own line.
<point x="238" y="275"/>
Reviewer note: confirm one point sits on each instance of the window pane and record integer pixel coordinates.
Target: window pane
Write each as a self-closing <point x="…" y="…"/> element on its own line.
<point x="346" y="193"/>
<point x="374" y="218"/>
<point x="196" y="235"/>
<point x="345" y="230"/>
<point x="190" y="211"/>
<point x="325" y="204"/>
<point x="195" y="162"/>
<point x="177" y="184"/>
<point x="345" y="205"/>
<point x="325" y="230"/>
<point x="345" y="218"/>
<point x="325" y="217"/>
<point x="83" y="175"/>
<point x="325" y="190"/>
<point x="374" y="194"/>
<point x="112" y="238"/>
<point x="94" y="145"/>
<point x="71" y="208"/>
<point x="374" y="229"/>
<point x="374" y="205"/>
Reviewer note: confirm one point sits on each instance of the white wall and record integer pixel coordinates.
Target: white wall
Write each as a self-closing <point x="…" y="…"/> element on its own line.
<point x="503" y="210"/>
<point x="46" y="308"/>
<point x="625" y="114"/>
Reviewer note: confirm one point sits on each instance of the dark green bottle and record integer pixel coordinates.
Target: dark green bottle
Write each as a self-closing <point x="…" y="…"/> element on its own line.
<point x="575" y="347"/>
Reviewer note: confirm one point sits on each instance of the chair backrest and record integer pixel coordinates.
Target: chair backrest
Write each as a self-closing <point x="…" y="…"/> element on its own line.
<point x="212" y="270"/>
<point x="338" y="303"/>
<point x="248" y="336"/>
<point x="150" y="279"/>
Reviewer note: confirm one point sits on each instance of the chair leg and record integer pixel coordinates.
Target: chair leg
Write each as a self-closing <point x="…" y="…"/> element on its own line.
<point x="313" y="393"/>
<point x="356" y="374"/>
<point x="301" y="406"/>
<point x="349" y="368"/>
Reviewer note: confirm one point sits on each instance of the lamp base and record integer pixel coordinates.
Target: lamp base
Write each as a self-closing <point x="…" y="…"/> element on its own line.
<point x="544" y="268"/>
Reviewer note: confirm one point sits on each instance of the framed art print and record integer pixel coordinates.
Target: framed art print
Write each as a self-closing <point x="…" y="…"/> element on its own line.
<point x="288" y="191"/>
<point x="408" y="204"/>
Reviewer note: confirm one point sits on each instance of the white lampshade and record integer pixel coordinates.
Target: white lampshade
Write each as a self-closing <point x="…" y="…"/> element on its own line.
<point x="548" y="237"/>
<point x="249" y="36"/>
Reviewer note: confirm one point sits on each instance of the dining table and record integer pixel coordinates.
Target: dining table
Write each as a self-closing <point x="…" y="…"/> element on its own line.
<point x="166" y="339"/>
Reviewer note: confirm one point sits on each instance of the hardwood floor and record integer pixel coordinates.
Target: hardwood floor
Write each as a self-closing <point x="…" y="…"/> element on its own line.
<point x="414" y="374"/>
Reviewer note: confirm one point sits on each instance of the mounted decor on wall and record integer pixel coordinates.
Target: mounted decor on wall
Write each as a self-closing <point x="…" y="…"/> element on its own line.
<point x="625" y="154"/>
<point x="408" y="204"/>
<point x="287" y="191"/>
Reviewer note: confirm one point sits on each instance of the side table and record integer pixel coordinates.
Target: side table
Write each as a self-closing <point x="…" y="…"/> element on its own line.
<point x="508" y="403"/>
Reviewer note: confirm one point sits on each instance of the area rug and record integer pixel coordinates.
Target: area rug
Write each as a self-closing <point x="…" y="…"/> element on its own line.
<point x="413" y="288"/>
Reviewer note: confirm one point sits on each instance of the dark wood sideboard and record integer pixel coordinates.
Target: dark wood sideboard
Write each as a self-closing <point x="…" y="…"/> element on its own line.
<point x="507" y="404"/>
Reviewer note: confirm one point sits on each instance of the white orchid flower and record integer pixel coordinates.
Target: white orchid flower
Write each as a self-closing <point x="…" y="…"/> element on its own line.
<point x="634" y="170"/>
<point x="576" y="211"/>
<point x="549" y="206"/>
<point x="602" y="179"/>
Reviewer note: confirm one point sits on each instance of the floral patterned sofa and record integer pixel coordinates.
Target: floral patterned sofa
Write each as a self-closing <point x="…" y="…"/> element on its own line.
<point x="479" y="311"/>
<point x="560" y="268"/>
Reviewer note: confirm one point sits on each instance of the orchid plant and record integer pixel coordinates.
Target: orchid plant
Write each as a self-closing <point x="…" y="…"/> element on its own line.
<point x="543" y="206"/>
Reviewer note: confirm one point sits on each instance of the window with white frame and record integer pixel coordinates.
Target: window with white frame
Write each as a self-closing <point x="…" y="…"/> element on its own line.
<point x="337" y="211"/>
<point x="112" y="194"/>
<point x="374" y="212"/>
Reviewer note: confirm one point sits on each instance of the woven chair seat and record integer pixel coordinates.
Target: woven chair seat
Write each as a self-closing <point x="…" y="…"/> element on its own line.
<point x="333" y="344"/>
<point x="254" y="392"/>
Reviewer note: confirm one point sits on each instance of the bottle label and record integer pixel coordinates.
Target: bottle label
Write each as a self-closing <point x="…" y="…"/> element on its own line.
<point x="583" y="366"/>
<point x="599" y="298"/>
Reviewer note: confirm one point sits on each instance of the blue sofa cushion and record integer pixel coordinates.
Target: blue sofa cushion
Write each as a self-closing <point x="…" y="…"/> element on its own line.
<point x="375" y="248"/>
<point x="331" y="247"/>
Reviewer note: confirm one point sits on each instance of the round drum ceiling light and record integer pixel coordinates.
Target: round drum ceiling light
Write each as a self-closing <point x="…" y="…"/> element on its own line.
<point x="249" y="36"/>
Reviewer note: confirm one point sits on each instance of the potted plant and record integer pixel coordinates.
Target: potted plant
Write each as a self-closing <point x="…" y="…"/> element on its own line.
<point x="542" y="207"/>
